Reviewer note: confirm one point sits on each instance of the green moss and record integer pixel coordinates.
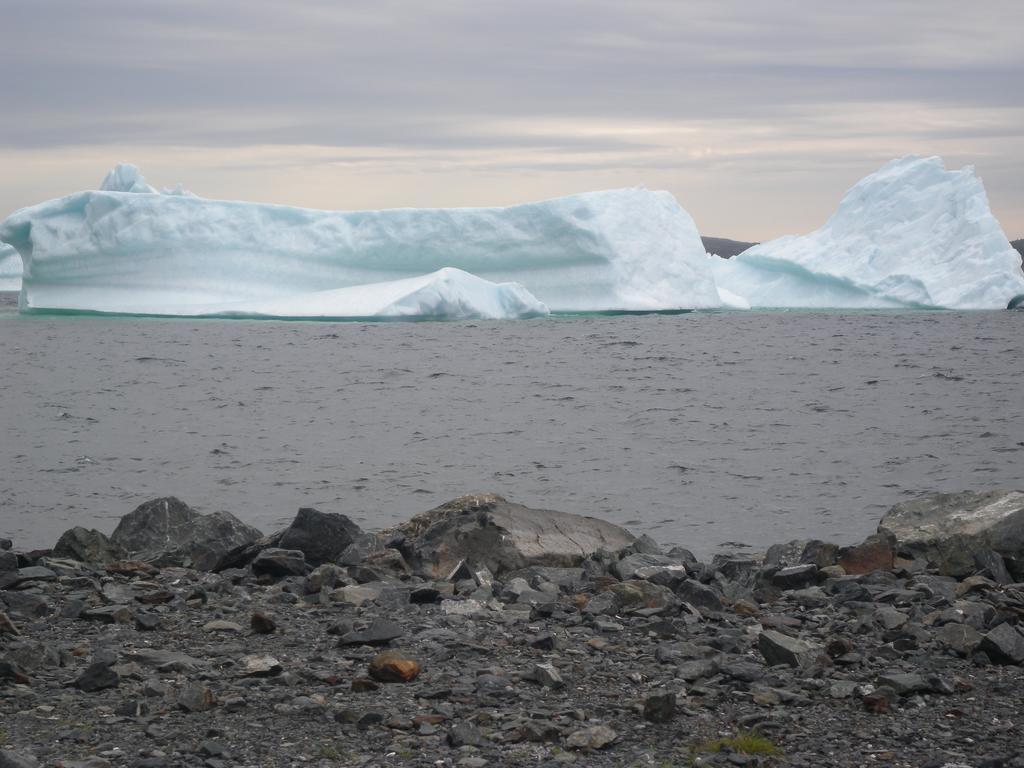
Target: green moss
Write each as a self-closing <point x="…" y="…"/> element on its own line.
<point x="744" y="743"/>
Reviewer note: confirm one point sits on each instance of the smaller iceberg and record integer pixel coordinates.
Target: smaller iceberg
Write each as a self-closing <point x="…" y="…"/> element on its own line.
<point x="911" y="235"/>
<point x="10" y="269"/>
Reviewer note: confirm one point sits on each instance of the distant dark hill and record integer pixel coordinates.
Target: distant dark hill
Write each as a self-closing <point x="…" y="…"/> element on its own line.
<point x="1018" y="244"/>
<point x="723" y="247"/>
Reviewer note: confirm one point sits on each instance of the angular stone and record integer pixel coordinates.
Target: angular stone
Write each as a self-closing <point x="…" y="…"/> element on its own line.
<point x="484" y="530"/>
<point x="949" y="529"/>
<point x="461" y="607"/>
<point x="874" y="554"/>
<point x="167" y="531"/>
<point x="904" y="683"/>
<point x="193" y="697"/>
<point x="393" y="667"/>
<point x="165" y="661"/>
<point x="97" y="677"/>
<point x="465" y="734"/>
<point x="636" y="594"/>
<point x="320" y="536"/>
<point x="87" y="546"/>
<point x="880" y="701"/>
<point x="778" y="648"/>
<point x="699" y="595"/>
<point x="380" y="632"/>
<point x="596" y="737"/>
<point x="961" y="638"/>
<point x="547" y="675"/>
<point x="991" y="564"/>
<point x="660" y="707"/>
<point x="796" y="576"/>
<point x="13" y="579"/>
<point x="279" y="563"/>
<point x="1004" y="645"/>
<point x="255" y="665"/>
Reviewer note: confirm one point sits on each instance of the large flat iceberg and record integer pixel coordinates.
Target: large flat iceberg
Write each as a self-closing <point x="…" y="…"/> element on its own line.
<point x="910" y="235"/>
<point x="129" y="249"/>
<point x="10" y="269"/>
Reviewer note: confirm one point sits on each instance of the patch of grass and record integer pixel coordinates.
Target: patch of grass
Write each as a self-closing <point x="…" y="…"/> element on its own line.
<point x="743" y="743"/>
<point x="330" y="752"/>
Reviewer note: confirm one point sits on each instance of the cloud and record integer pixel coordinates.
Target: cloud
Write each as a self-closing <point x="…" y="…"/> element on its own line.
<point x="462" y="101"/>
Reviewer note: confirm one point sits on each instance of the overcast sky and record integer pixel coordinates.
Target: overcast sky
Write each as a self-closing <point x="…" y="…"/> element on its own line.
<point x="757" y="115"/>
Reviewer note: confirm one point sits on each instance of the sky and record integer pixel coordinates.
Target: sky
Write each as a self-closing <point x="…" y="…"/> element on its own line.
<point x="757" y="116"/>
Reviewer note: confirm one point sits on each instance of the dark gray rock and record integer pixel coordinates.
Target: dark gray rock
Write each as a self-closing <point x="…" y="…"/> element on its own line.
<point x="796" y="576"/>
<point x="97" y="677"/>
<point x="699" y="595"/>
<point x="87" y="546"/>
<point x="8" y="561"/>
<point x="14" y="579"/>
<point x="778" y="648"/>
<point x="12" y="674"/>
<point x="660" y="707"/>
<point x="626" y="568"/>
<point x="320" y="536"/>
<point x="280" y="562"/>
<point x="380" y="632"/>
<point x="484" y="530"/>
<point x="1004" y="645"/>
<point x="992" y="565"/>
<point x="949" y="529"/>
<point x="904" y="683"/>
<point x="195" y="697"/>
<point x="12" y="759"/>
<point x="465" y="734"/>
<point x="960" y="638"/>
<point x="167" y="531"/>
<point x="6" y="544"/>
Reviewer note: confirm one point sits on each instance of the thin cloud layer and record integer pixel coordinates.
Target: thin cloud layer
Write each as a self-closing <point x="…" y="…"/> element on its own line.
<point x="756" y="115"/>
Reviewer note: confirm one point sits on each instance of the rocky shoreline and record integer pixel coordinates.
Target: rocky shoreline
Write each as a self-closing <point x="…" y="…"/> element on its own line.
<point x="486" y="633"/>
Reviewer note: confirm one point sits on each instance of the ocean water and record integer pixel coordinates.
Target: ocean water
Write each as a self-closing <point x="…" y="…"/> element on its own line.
<point x="701" y="429"/>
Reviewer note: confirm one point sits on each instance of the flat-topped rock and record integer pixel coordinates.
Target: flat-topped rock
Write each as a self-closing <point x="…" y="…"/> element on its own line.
<point x="485" y="530"/>
<point x="949" y="530"/>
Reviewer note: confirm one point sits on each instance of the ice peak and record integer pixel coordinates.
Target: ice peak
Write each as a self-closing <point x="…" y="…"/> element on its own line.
<point x="125" y="177"/>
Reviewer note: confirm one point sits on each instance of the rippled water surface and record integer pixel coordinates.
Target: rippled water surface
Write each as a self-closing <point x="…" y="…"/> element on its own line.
<point x="699" y="429"/>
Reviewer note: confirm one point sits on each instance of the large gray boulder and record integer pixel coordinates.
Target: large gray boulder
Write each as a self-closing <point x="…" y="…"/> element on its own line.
<point x="484" y="530"/>
<point x="169" y="532"/>
<point x="321" y="537"/>
<point x="87" y="546"/>
<point x="951" y="530"/>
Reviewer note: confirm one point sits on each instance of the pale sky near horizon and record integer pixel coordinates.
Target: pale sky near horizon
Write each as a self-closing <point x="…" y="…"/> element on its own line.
<point x="756" y="115"/>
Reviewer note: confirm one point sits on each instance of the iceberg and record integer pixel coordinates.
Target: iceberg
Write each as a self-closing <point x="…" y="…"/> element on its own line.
<point x="127" y="248"/>
<point x="910" y="235"/>
<point x="10" y="269"/>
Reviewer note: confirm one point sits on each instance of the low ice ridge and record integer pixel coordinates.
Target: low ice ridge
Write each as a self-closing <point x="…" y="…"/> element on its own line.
<point x="447" y="294"/>
<point x="911" y="235"/>
<point x="128" y="247"/>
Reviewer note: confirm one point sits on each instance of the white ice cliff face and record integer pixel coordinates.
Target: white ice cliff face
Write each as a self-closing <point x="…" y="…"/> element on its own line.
<point x="130" y="249"/>
<point x="910" y="235"/>
<point x="10" y="269"/>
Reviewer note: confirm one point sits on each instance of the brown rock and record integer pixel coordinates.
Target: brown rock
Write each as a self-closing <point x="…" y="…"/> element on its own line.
<point x="131" y="568"/>
<point x="262" y="624"/>
<point x="874" y="554"/>
<point x="393" y="667"/>
<point x="364" y="685"/>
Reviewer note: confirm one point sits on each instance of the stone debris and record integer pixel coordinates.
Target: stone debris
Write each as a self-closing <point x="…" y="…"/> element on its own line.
<point x="610" y="652"/>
